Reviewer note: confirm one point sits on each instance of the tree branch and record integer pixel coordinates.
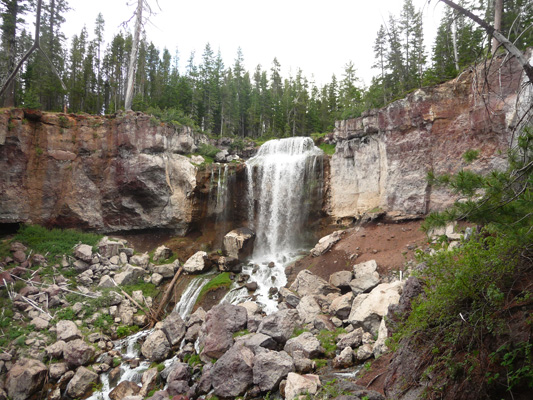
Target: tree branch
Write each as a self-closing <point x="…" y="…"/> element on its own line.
<point x="36" y="46"/>
<point x="510" y="47"/>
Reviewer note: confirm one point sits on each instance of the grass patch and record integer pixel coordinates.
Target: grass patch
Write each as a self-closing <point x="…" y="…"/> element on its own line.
<point x="328" y="340"/>
<point x="148" y="289"/>
<point x="53" y="242"/>
<point x="329" y="149"/>
<point x="220" y="281"/>
<point x="241" y="333"/>
<point x="124" y="330"/>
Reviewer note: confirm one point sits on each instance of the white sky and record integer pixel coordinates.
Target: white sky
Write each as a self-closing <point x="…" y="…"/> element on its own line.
<point x="319" y="37"/>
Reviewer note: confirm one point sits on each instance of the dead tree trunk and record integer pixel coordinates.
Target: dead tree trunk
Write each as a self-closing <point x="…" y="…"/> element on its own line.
<point x="498" y="12"/>
<point x="133" y="56"/>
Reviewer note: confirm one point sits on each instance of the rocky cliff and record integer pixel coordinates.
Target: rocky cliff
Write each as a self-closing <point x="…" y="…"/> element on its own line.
<point x="382" y="158"/>
<point x="103" y="173"/>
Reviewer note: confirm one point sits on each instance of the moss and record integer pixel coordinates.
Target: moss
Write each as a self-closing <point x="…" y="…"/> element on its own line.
<point x="220" y="281"/>
<point x="329" y="149"/>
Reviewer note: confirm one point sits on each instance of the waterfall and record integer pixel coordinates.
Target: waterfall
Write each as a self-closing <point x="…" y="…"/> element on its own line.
<point x="284" y="184"/>
<point x="189" y="296"/>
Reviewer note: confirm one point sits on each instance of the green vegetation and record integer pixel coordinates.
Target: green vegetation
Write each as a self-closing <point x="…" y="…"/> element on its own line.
<point x="124" y="330"/>
<point x="241" y="333"/>
<point x="328" y="339"/>
<point x="53" y="241"/>
<point x="320" y="362"/>
<point x="329" y="149"/>
<point x="464" y="324"/>
<point x="220" y="281"/>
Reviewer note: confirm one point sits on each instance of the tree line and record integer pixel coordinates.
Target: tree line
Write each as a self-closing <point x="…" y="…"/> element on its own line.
<point x="229" y="100"/>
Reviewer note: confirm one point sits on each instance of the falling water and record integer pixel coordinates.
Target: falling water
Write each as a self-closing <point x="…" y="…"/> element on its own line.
<point x="284" y="185"/>
<point x="189" y="296"/>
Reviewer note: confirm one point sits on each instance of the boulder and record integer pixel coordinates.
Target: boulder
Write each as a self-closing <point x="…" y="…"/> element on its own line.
<point x="308" y="284"/>
<point x="368" y="312"/>
<point x="156" y="346"/>
<point x="197" y="263"/>
<point x="148" y="381"/>
<point x="257" y="342"/>
<point x="364" y="352"/>
<point x="57" y="370"/>
<point x="289" y="297"/>
<point x="55" y="350"/>
<point x="162" y="253"/>
<point x="341" y="279"/>
<point x="302" y="364"/>
<point x="341" y="306"/>
<point x="141" y="260"/>
<point x="179" y="372"/>
<point x="165" y="270"/>
<point x="81" y="383"/>
<point x="344" y="359"/>
<point x="77" y="353"/>
<point x="379" y="346"/>
<point x="366" y="277"/>
<point x="129" y="276"/>
<point x="174" y="328"/>
<point x="232" y="374"/>
<point x="83" y="252"/>
<point x="222" y="321"/>
<point x="177" y="388"/>
<point x="306" y="343"/>
<point x="106" y="282"/>
<point x="39" y="323"/>
<point x="308" y="309"/>
<point x="351" y="339"/>
<point x="156" y="279"/>
<point x="280" y="325"/>
<point x="123" y="389"/>
<point x="197" y="159"/>
<point x="270" y="367"/>
<point x="325" y="243"/>
<point x="25" y="378"/>
<point x="239" y="243"/>
<point x="301" y="385"/>
<point x="221" y="156"/>
<point x="108" y="248"/>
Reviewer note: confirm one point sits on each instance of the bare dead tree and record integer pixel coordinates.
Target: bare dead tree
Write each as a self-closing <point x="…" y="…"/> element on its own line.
<point x="509" y="46"/>
<point x="132" y="66"/>
<point x="36" y="46"/>
<point x="498" y="13"/>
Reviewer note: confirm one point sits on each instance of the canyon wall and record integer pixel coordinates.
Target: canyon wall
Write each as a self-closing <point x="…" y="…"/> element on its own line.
<point x="382" y="158"/>
<point x="102" y="173"/>
<point x="130" y="172"/>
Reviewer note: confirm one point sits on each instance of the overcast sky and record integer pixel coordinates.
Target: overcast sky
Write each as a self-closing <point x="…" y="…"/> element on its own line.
<point x="319" y="37"/>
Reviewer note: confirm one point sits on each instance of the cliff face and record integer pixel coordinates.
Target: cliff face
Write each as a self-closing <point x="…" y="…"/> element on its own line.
<point x="98" y="173"/>
<point x="383" y="157"/>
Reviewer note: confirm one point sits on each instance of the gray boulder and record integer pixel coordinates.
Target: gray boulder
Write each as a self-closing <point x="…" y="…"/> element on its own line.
<point x="352" y="339"/>
<point x="366" y="277"/>
<point x="308" y="309"/>
<point x="309" y="284"/>
<point x="300" y="385"/>
<point x="270" y="367"/>
<point x="232" y="374"/>
<point x="341" y="279"/>
<point x="306" y="343"/>
<point x="280" y="325"/>
<point x="129" y="276"/>
<point x="162" y="253"/>
<point x="341" y="306"/>
<point x="197" y="263"/>
<point x="344" y="359"/>
<point x="368" y="311"/>
<point x="222" y="321"/>
<point x="81" y="383"/>
<point x="326" y="243"/>
<point x="174" y="328"/>
<point x="239" y="243"/>
<point x="156" y="346"/>
<point x="83" y="252"/>
<point x="77" y="353"/>
<point x="25" y="378"/>
<point x="124" y="389"/>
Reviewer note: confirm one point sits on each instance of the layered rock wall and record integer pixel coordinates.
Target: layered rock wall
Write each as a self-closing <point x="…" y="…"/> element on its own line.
<point x="102" y="173"/>
<point x="382" y="158"/>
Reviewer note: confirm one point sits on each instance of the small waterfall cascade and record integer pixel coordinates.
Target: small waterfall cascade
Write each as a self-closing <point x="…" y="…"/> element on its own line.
<point x="219" y="204"/>
<point x="284" y="185"/>
<point x="191" y="293"/>
<point x="129" y="350"/>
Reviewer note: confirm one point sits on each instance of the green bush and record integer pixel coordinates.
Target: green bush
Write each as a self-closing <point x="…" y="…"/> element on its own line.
<point x="328" y="340"/>
<point x="124" y="330"/>
<point x="329" y="149"/>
